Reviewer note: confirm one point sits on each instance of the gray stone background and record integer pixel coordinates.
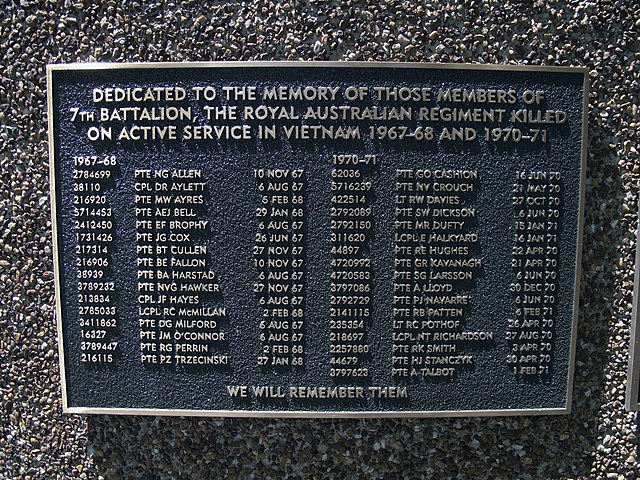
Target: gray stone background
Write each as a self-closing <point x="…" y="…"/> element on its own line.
<point x="598" y="440"/>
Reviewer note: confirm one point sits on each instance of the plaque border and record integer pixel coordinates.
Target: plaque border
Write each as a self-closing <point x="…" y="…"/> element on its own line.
<point x="632" y="397"/>
<point x="634" y="365"/>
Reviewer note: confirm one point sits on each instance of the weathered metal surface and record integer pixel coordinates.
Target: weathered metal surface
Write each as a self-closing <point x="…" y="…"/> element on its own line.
<point x="316" y="239"/>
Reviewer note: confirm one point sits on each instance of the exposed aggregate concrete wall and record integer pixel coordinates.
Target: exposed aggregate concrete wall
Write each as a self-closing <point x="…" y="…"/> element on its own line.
<point x="598" y="440"/>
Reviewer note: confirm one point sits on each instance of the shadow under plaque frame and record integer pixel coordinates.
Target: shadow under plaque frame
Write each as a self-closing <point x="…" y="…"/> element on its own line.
<point x="231" y="192"/>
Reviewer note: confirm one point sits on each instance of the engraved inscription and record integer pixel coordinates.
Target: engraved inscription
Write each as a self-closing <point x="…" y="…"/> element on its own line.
<point x="94" y="234"/>
<point x="279" y="258"/>
<point x="352" y="224"/>
<point x="537" y="199"/>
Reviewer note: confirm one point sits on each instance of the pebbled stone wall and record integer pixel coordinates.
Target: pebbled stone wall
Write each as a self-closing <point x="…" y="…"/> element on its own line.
<point x="598" y="440"/>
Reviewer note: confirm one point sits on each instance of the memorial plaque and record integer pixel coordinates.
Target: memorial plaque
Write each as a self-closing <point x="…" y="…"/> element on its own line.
<point x="632" y="402"/>
<point x="316" y="239"/>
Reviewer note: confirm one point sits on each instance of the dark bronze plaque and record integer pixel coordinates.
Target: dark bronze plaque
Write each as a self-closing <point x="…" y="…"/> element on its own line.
<point x="316" y="239"/>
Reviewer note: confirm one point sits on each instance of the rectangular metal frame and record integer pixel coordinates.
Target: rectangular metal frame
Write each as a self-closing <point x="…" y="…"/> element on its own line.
<point x="634" y="367"/>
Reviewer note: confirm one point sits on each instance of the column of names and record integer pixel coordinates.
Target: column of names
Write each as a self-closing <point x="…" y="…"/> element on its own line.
<point x="180" y="312"/>
<point x="437" y="265"/>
